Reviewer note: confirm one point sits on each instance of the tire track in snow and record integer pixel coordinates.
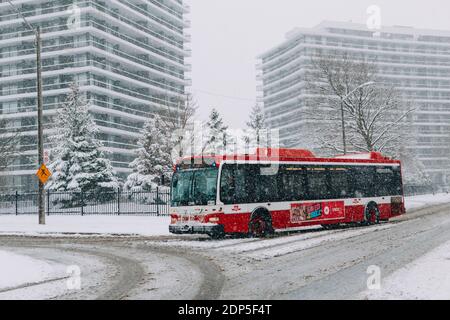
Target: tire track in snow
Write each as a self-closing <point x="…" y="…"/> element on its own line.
<point x="281" y="250"/>
<point x="275" y="242"/>
<point x="33" y="284"/>
<point x="260" y="249"/>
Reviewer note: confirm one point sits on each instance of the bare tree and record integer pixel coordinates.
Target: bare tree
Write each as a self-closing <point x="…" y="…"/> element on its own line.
<point x="375" y="115"/>
<point x="8" y="145"/>
<point x="178" y="120"/>
<point x="178" y="117"/>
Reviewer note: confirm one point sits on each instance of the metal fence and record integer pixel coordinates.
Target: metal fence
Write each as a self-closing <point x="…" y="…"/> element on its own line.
<point x="154" y="203"/>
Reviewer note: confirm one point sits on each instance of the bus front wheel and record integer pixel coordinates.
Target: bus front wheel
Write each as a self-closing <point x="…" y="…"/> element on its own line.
<point x="260" y="224"/>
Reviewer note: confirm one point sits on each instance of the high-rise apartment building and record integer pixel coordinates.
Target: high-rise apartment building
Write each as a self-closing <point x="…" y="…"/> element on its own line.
<point x="416" y="62"/>
<point x="127" y="56"/>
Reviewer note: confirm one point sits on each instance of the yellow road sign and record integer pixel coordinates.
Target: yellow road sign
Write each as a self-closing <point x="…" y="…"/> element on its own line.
<point x="43" y="174"/>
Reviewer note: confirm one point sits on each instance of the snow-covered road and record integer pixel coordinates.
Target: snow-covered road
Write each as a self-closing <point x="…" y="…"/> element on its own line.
<point x="104" y="268"/>
<point x="308" y="264"/>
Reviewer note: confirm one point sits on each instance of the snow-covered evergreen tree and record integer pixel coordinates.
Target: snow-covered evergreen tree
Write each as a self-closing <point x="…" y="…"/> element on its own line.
<point x="216" y="134"/>
<point x="153" y="159"/>
<point x="78" y="163"/>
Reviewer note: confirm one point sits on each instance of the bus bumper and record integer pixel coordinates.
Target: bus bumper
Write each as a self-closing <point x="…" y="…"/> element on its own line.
<point x="217" y="229"/>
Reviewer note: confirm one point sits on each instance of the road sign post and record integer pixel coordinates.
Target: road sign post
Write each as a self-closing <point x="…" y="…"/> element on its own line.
<point x="43" y="175"/>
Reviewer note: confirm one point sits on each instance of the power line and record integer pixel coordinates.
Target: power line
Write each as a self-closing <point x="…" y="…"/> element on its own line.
<point x="224" y="96"/>
<point x="21" y="15"/>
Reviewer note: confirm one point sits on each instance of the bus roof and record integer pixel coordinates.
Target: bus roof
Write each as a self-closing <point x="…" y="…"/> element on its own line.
<point x="292" y="155"/>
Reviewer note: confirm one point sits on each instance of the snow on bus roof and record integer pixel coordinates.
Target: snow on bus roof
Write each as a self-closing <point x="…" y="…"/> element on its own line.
<point x="363" y="156"/>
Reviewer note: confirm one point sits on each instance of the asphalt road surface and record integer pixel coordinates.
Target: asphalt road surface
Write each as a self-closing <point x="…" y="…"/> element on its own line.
<point x="310" y="264"/>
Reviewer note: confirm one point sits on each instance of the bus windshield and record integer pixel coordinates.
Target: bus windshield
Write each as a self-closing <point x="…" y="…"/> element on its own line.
<point x="194" y="187"/>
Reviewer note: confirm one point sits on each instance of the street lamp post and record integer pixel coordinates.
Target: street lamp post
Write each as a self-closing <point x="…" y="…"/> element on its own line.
<point x="40" y="102"/>
<point x="344" y="140"/>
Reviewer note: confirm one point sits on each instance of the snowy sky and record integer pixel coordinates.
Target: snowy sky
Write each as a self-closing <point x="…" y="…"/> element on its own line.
<point x="227" y="35"/>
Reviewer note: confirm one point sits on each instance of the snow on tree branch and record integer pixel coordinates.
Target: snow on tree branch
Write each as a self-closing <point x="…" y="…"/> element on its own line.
<point x="9" y="140"/>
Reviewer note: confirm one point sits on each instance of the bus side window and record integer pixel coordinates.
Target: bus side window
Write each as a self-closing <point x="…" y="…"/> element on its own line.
<point x="397" y="182"/>
<point x="242" y="184"/>
<point x="228" y="184"/>
<point x="266" y="186"/>
<point x="363" y="181"/>
<point x="250" y="182"/>
<point x="388" y="181"/>
<point x="299" y="184"/>
<point x="317" y="182"/>
<point x="339" y="183"/>
<point x="384" y="179"/>
<point x="291" y="183"/>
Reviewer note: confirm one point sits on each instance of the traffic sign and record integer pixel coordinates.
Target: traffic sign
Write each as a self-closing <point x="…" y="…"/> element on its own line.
<point x="43" y="174"/>
<point x="46" y="156"/>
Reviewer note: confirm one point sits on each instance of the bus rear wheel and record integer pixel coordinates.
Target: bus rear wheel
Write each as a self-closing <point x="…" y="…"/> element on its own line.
<point x="371" y="215"/>
<point x="260" y="225"/>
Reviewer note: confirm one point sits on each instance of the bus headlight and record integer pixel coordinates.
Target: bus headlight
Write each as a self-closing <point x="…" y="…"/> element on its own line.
<point x="214" y="219"/>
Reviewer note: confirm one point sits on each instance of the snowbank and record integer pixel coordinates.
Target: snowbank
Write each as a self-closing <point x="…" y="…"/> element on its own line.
<point x="427" y="278"/>
<point x="17" y="270"/>
<point x="106" y="225"/>
<point x="416" y="202"/>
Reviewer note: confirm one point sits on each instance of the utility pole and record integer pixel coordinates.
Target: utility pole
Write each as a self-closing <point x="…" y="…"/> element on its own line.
<point x="343" y="128"/>
<point x="40" y="103"/>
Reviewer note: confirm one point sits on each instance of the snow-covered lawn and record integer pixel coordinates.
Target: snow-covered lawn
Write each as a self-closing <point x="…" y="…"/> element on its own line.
<point x="17" y="270"/>
<point x="427" y="278"/>
<point x="416" y="202"/>
<point x="109" y="225"/>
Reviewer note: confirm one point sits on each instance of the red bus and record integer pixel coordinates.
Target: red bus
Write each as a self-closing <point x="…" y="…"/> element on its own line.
<point x="282" y="189"/>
